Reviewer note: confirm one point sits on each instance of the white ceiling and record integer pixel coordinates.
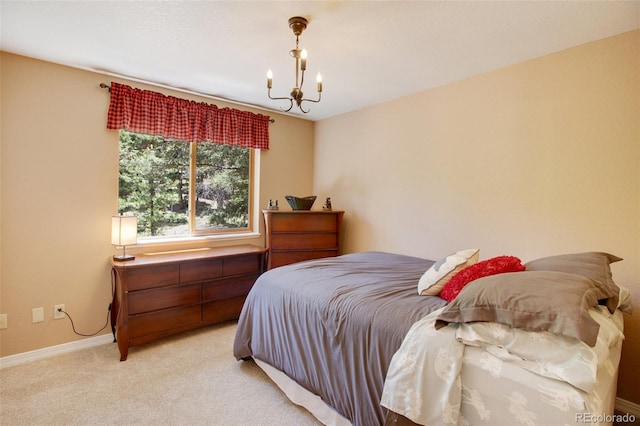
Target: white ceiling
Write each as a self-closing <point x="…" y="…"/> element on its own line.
<point x="367" y="51"/>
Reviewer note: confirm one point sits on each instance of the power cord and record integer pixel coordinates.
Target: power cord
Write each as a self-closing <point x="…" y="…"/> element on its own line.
<point x="108" y="313"/>
<point x="86" y="335"/>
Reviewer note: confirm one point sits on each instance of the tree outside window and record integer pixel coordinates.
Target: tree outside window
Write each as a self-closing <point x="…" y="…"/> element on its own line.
<point x="178" y="188"/>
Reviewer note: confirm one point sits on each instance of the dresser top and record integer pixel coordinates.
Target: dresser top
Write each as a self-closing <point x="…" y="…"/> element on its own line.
<point x="188" y="255"/>
<point x="265" y="211"/>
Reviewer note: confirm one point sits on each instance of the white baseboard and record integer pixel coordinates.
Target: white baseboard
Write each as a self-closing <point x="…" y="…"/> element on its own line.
<point x="11" y="360"/>
<point x="624" y="406"/>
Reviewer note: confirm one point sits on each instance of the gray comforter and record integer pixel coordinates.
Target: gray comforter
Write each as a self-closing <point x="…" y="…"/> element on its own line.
<point x="334" y="324"/>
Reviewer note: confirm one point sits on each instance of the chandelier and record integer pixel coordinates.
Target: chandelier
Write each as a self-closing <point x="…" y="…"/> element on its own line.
<point x="297" y="25"/>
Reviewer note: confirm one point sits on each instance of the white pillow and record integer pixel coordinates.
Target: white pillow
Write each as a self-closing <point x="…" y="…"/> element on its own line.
<point x="441" y="272"/>
<point x="625" y="303"/>
<point x="547" y="354"/>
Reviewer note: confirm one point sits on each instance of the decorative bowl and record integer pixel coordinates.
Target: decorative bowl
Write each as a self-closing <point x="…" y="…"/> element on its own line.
<point x="300" y="203"/>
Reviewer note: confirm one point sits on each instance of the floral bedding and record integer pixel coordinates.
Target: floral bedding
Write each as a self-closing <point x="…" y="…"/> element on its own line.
<point x="470" y="378"/>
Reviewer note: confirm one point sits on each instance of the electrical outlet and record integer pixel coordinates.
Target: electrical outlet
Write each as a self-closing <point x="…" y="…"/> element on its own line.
<point x="37" y="315"/>
<point x="3" y="321"/>
<point x="57" y="311"/>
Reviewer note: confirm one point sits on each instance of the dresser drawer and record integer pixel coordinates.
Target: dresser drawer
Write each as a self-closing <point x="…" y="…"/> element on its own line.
<point x="200" y="270"/>
<point x="280" y="258"/>
<point x="152" y="276"/>
<point x="242" y="265"/>
<point x="162" y="298"/>
<point x="224" y="289"/>
<point x="222" y="310"/>
<point x="304" y="222"/>
<point x="304" y="241"/>
<point x="164" y="321"/>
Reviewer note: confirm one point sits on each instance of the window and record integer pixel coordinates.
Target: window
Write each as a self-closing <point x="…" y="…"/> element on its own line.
<point x="179" y="188"/>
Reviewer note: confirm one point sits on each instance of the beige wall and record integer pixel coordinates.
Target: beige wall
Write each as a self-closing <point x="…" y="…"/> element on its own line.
<point x="59" y="189"/>
<point x="536" y="159"/>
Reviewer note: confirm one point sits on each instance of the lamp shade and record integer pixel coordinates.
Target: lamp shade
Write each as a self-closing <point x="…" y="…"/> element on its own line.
<point x="124" y="230"/>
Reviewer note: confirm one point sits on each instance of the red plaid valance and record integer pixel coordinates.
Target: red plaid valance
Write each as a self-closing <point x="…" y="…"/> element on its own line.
<point x="143" y="111"/>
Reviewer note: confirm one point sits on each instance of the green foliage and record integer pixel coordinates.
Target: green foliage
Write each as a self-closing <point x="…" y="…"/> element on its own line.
<point x="222" y="185"/>
<point x="154" y="184"/>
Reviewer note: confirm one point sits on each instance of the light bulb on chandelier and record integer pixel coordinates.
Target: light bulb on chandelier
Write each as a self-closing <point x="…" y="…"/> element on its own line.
<point x="297" y="25"/>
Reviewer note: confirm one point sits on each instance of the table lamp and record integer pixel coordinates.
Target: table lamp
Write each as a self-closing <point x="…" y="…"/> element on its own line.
<point x="124" y="232"/>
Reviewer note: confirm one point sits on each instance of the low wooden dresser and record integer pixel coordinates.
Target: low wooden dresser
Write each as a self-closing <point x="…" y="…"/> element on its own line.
<point x="297" y="235"/>
<point x="157" y="295"/>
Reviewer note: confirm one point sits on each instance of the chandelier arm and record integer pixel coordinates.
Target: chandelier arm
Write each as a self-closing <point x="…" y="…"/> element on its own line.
<point x="290" y="106"/>
<point x="302" y="109"/>
<point x="280" y="99"/>
<point x="277" y="98"/>
<point x="313" y="100"/>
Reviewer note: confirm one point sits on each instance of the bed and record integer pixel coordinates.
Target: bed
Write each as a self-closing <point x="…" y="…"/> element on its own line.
<point x="353" y="340"/>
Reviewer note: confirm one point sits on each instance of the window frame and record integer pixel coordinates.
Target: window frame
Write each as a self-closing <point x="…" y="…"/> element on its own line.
<point x="252" y="229"/>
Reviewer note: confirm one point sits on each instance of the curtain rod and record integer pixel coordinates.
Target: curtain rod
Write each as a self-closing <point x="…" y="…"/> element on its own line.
<point x="106" y="86"/>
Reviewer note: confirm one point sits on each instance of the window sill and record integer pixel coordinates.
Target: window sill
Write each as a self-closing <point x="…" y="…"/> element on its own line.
<point x="188" y="242"/>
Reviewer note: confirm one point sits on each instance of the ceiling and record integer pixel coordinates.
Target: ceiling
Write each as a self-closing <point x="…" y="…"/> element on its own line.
<point x="367" y="51"/>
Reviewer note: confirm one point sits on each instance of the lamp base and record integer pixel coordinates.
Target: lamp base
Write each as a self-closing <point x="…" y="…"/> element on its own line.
<point x="124" y="257"/>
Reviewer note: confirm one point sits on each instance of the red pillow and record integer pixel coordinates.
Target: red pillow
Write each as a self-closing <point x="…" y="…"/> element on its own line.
<point x="493" y="266"/>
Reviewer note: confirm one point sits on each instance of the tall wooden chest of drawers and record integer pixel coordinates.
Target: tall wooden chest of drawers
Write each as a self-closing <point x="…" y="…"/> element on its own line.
<point x="297" y="235"/>
<point x="157" y="295"/>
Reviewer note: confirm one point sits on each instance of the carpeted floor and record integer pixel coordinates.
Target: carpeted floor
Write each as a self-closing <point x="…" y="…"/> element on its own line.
<point x="187" y="379"/>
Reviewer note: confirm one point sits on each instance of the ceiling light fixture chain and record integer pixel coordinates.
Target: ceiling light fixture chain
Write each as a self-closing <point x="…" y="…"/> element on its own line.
<point x="297" y="24"/>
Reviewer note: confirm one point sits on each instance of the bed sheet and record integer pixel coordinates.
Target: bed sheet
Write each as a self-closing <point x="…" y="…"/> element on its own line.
<point x="333" y="325"/>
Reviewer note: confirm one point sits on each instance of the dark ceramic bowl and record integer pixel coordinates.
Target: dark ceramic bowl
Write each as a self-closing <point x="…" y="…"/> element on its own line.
<point x="300" y="203"/>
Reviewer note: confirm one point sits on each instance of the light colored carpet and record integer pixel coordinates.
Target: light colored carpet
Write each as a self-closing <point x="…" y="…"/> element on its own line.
<point x="187" y="379"/>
